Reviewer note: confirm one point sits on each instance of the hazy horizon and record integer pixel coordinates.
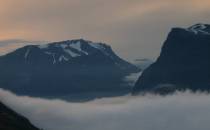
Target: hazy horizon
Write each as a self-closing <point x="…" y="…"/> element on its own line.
<point x="134" y="28"/>
<point x="86" y="85"/>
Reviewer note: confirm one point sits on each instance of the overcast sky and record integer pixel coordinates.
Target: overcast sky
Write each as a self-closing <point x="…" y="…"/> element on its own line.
<point x="134" y="28"/>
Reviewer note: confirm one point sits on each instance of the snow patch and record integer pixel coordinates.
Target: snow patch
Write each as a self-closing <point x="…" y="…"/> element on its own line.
<point x="72" y="54"/>
<point x="64" y="46"/>
<point x="100" y="47"/>
<point x="97" y="45"/>
<point x="43" y="46"/>
<point x="53" y="56"/>
<point x="61" y="58"/>
<point x="77" y="46"/>
<point x="198" y="28"/>
<point x="27" y="53"/>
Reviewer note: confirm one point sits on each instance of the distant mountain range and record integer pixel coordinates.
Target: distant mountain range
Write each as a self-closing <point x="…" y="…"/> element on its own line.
<point x="62" y="68"/>
<point x="79" y="66"/>
<point x="184" y="63"/>
<point x="10" y="120"/>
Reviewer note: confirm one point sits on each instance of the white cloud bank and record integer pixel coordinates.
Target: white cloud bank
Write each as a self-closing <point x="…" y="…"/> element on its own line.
<point x="182" y="111"/>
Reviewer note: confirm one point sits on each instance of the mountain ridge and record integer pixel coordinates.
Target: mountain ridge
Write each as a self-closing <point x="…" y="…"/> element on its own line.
<point x="183" y="63"/>
<point x="65" y="67"/>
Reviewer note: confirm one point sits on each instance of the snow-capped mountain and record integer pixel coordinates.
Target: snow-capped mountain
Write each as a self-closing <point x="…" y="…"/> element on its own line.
<point x="65" y="67"/>
<point x="184" y="63"/>
<point x="67" y="50"/>
<point x="200" y="29"/>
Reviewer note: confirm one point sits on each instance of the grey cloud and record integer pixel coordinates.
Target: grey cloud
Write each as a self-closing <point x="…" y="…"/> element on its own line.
<point x="181" y="111"/>
<point x="18" y="41"/>
<point x="9" y="45"/>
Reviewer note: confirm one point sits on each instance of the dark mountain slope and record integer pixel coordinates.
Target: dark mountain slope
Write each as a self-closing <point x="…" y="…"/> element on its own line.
<point x="62" y="68"/>
<point x="9" y="120"/>
<point x="184" y="63"/>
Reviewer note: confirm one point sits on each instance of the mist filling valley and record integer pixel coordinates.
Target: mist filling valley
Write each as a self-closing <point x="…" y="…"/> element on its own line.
<point x="182" y="110"/>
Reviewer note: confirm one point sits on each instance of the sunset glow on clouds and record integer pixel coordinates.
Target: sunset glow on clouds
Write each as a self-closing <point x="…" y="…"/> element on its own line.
<point x="127" y="25"/>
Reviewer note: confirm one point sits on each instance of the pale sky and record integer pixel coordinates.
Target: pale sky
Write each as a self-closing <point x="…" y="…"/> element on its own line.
<point x="134" y="28"/>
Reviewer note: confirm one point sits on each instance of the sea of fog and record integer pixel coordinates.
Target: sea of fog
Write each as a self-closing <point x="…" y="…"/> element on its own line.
<point x="180" y="111"/>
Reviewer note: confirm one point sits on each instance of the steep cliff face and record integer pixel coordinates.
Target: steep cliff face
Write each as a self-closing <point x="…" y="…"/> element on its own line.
<point x="9" y="120"/>
<point x="184" y="63"/>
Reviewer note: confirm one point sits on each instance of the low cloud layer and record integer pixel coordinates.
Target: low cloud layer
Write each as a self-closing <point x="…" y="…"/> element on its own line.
<point x="132" y="78"/>
<point x="182" y="111"/>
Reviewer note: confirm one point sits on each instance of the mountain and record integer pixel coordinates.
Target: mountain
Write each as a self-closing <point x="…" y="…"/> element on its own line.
<point x="63" y="68"/>
<point x="10" y="120"/>
<point x="184" y="63"/>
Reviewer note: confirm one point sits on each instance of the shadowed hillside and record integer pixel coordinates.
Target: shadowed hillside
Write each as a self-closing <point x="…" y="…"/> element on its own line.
<point x="10" y="120"/>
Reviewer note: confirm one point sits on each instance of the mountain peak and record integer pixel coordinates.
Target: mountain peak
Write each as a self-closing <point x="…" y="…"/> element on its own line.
<point x="200" y="29"/>
<point x="183" y="63"/>
<point x="64" y="51"/>
<point x="197" y="29"/>
<point x="203" y="29"/>
<point x="66" y="67"/>
<point x="199" y="25"/>
<point x="76" y="43"/>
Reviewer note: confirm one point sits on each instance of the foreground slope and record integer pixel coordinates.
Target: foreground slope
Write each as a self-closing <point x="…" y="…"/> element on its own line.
<point x="9" y="120"/>
<point x="184" y="63"/>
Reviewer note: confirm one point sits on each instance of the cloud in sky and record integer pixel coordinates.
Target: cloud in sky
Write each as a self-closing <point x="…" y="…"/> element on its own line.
<point x="12" y="44"/>
<point x="135" y="28"/>
<point x="181" y="111"/>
